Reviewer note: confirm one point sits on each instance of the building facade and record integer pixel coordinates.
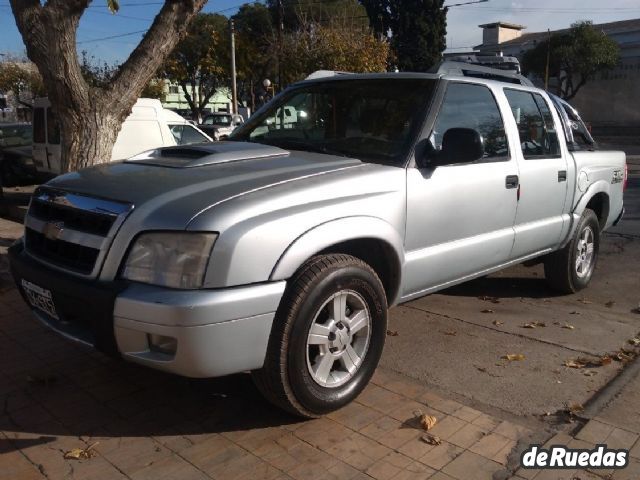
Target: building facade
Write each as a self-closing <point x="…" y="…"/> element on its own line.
<point x="611" y="101"/>
<point x="175" y="99"/>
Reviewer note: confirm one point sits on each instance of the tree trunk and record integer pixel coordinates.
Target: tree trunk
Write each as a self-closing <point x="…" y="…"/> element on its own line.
<point x="88" y="137"/>
<point x="92" y="117"/>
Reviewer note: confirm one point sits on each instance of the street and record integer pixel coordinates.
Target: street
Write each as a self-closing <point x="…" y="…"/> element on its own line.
<point x="447" y="341"/>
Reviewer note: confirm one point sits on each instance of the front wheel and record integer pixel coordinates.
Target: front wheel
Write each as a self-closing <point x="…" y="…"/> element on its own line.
<point x="570" y="269"/>
<point x="327" y="337"/>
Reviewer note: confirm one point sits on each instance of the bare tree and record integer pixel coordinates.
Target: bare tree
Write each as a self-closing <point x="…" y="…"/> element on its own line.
<point x="91" y="116"/>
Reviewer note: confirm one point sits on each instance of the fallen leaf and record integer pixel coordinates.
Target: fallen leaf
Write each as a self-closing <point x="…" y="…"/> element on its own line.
<point x="568" y="327"/>
<point x="605" y="360"/>
<point x="81" y="453"/>
<point x="428" y="421"/>
<point x="634" y="341"/>
<point x="497" y="323"/>
<point x="431" y="439"/>
<point x="576" y="408"/>
<point x="623" y="356"/>
<point x="513" y="357"/>
<point x="489" y="299"/>
<point x="534" y="325"/>
<point x="392" y="333"/>
<point x="590" y="373"/>
<point x="574" y="364"/>
<point x="451" y="333"/>
<point x="610" y="304"/>
<point x="487" y="310"/>
<point x="585" y="301"/>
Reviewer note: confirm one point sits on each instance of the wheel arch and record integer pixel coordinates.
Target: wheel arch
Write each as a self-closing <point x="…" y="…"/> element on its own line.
<point x="370" y="239"/>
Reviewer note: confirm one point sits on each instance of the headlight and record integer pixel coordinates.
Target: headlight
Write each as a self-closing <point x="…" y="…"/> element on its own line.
<point x="176" y="260"/>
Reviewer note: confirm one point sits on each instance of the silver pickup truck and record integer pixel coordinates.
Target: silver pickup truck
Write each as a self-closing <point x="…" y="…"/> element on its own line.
<point x="279" y="252"/>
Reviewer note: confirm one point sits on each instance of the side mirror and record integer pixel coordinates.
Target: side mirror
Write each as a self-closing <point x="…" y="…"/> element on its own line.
<point x="461" y="145"/>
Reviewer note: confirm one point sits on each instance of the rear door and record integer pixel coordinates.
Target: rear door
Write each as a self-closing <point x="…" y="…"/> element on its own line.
<point x="460" y="216"/>
<point x="543" y="173"/>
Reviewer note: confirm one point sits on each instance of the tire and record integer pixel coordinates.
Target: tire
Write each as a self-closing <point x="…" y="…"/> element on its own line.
<point x="570" y="269"/>
<point x="311" y="375"/>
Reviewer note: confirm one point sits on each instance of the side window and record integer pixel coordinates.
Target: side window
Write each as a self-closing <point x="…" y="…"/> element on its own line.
<point x="537" y="130"/>
<point x="186" y="134"/>
<point x="39" y="132"/>
<point x="468" y="105"/>
<point x="53" y="129"/>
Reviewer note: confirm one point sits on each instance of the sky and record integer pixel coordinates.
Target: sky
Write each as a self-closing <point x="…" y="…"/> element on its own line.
<point x="98" y="26"/>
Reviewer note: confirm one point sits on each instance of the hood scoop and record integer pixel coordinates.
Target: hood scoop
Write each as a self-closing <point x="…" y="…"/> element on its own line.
<point x="203" y="154"/>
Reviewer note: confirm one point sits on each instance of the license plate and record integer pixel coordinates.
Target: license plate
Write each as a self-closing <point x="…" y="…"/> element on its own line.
<point x="40" y="298"/>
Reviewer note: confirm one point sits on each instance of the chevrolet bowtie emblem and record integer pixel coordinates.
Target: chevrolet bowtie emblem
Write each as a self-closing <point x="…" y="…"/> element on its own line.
<point x="53" y="230"/>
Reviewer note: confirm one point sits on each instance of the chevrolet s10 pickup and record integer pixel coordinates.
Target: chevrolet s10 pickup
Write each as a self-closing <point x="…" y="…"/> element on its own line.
<point x="280" y="251"/>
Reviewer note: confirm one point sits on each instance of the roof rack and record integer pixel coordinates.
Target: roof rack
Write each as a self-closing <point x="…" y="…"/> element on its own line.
<point x="478" y="71"/>
<point x="325" y="73"/>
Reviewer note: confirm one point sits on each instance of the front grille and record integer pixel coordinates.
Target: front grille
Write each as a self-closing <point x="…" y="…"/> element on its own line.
<point x="68" y="255"/>
<point x="72" y="231"/>
<point x="73" y="218"/>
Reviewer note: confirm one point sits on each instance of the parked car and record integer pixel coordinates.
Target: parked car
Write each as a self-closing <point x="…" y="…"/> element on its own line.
<point x="280" y="252"/>
<point x="220" y="125"/>
<point x="148" y="126"/>
<point x="16" y="163"/>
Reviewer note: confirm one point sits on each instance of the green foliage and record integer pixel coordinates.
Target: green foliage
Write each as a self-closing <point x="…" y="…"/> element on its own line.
<point x="154" y="89"/>
<point x="21" y="79"/>
<point x="113" y="5"/>
<point x="332" y="47"/>
<point x="294" y="13"/>
<point x="255" y="61"/>
<point x="575" y="57"/>
<point x="94" y="73"/>
<point x="200" y="62"/>
<point x="418" y="30"/>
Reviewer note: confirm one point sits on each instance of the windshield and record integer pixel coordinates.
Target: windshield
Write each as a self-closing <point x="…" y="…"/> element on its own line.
<point x="222" y="120"/>
<point x="372" y="120"/>
<point x="15" y="135"/>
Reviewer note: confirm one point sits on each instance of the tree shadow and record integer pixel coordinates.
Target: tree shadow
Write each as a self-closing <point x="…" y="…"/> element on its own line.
<point x="81" y="393"/>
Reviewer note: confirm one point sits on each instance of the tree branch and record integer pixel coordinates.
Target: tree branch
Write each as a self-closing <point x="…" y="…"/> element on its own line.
<point x="155" y="47"/>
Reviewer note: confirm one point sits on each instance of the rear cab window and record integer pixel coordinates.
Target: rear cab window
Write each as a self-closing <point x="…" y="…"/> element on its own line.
<point x="536" y="127"/>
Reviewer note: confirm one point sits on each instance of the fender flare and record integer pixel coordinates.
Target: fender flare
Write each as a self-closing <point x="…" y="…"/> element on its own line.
<point x="600" y="186"/>
<point x="337" y="231"/>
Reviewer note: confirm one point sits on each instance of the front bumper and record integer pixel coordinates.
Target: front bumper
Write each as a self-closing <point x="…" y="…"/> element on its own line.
<point x="218" y="332"/>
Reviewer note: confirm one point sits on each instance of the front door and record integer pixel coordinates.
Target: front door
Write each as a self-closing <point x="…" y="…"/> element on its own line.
<point x="543" y="174"/>
<point x="460" y="217"/>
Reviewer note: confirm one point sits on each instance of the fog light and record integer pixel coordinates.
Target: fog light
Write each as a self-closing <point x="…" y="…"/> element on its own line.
<point x="162" y="344"/>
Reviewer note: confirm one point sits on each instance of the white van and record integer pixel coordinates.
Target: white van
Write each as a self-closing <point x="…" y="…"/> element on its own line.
<point x="149" y="126"/>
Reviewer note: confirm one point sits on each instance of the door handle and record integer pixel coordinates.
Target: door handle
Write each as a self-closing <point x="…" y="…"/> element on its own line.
<point x="562" y="176"/>
<point x="512" y="181"/>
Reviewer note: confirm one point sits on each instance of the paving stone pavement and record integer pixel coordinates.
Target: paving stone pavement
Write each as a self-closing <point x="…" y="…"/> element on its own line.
<point x="57" y="396"/>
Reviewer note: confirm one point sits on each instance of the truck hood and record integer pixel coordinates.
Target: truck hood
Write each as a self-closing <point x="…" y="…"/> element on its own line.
<point x="168" y="187"/>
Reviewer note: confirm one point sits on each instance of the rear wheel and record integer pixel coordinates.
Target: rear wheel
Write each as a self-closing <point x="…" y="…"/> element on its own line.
<point x="570" y="269"/>
<point x="327" y="337"/>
